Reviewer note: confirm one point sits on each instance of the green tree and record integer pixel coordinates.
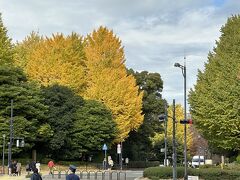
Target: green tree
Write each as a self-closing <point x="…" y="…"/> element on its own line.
<point x="158" y="145"/>
<point x="215" y="103"/>
<point x="6" y="50"/>
<point x="138" y="145"/>
<point x="63" y="104"/>
<point x="28" y="108"/>
<point x="94" y="127"/>
<point x="79" y="126"/>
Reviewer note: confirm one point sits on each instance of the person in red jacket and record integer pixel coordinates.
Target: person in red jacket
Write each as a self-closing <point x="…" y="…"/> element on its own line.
<point x="50" y="166"/>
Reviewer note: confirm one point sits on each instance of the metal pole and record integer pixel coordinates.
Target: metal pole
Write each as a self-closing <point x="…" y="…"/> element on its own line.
<point x="185" y="126"/>
<point x="105" y="158"/>
<point x="165" y="134"/>
<point x="3" y="155"/>
<point x="11" y="136"/>
<point x="121" y="157"/>
<point x="174" y="144"/>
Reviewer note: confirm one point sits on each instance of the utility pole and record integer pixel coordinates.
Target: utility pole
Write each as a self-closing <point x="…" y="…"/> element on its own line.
<point x="3" y="154"/>
<point x="11" y="137"/>
<point x="165" y="133"/>
<point x="121" y="162"/>
<point x="174" y="144"/>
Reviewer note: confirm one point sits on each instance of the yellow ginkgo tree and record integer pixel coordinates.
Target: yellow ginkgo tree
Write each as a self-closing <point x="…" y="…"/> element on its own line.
<point x="54" y="60"/>
<point x="108" y="81"/>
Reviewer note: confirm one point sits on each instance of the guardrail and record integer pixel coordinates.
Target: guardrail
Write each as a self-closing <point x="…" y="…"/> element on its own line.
<point x="93" y="175"/>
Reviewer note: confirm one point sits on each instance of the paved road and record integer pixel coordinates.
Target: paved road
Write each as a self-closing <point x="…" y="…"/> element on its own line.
<point x="113" y="175"/>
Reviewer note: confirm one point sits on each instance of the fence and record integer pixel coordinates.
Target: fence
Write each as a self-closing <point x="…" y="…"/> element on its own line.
<point x="94" y="175"/>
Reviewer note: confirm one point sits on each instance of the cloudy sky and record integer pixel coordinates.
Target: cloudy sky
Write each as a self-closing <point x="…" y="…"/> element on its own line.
<point x="155" y="33"/>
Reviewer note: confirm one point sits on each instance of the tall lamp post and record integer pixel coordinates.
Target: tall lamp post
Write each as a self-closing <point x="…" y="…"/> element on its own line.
<point x="183" y="67"/>
<point x="3" y="157"/>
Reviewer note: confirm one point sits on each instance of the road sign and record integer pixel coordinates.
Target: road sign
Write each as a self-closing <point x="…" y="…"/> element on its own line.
<point x="104" y="148"/>
<point x="119" y="149"/>
<point x="162" y="149"/>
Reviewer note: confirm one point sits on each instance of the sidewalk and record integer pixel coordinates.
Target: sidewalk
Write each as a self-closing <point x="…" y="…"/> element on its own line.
<point x="7" y="177"/>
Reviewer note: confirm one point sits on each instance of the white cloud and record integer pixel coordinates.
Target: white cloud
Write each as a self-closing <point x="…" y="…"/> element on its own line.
<point x="155" y="33"/>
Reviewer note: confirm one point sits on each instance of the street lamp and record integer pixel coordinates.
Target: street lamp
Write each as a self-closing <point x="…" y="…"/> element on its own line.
<point x="183" y="67"/>
<point x="3" y="168"/>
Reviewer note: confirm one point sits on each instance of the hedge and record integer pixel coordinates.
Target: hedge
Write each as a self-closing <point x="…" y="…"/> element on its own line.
<point x="142" y="164"/>
<point x="203" y="173"/>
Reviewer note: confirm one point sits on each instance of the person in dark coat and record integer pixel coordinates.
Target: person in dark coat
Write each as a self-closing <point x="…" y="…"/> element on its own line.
<point x="36" y="175"/>
<point x="72" y="175"/>
<point x="32" y="165"/>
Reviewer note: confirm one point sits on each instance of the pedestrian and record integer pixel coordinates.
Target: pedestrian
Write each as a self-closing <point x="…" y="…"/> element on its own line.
<point x="38" y="166"/>
<point x="28" y="167"/>
<point x="50" y="166"/>
<point x="72" y="175"/>
<point x="36" y="175"/>
<point x="14" y="168"/>
<point x="32" y="165"/>
<point x="104" y="163"/>
<point x="110" y="162"/>
<point x="19" y="168"/>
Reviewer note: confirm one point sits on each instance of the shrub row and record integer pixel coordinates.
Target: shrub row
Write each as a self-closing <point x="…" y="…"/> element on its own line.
<point x="142" y="164"/>
<point x="203" y="173"/>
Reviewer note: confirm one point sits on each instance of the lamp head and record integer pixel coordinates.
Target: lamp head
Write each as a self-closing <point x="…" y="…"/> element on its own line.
<point x="177" y="65"/>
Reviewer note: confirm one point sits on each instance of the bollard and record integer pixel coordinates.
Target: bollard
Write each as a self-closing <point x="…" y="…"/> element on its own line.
<point x="110" y="175"/>
<point x="125" y="175"/>
<point x="66" y="172"/>
<point x="99" y="172"/>
<point x="95" y="175"/>
<point x="59" y="174"/>
<point x="118" y="175"/>
<point x="88" y="175"/>
<point x="103" y="175"/>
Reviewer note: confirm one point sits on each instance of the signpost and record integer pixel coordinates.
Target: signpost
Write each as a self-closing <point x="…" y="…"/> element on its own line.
<point x="104" y="148"/>
<point x="119" y="152"/>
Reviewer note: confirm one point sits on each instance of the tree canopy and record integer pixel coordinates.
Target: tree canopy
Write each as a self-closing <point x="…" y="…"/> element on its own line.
<point x="215" y="103"/>
<point x="28" y="108"/>
<point x="108" y="81"/>
<point x="78" y="126"/>
<point x="93" y="127"/>
<point x="6" y="50"/>
<point x="138" y="145"/>
<point x="57" y="59"/>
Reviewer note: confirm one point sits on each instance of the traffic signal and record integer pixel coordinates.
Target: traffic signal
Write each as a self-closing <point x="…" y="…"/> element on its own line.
<point x="161" y="117"/>
<point x="188" y="121"/>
